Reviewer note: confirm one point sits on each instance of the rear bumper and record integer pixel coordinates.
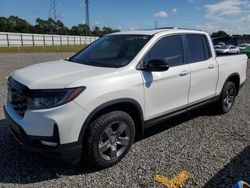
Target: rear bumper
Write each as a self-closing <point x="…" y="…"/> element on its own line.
<point x="70" y="153"/>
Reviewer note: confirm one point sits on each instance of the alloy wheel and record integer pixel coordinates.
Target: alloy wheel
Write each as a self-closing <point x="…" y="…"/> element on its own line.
<point x="229" y="98"/>
<point x="114" y="140"/>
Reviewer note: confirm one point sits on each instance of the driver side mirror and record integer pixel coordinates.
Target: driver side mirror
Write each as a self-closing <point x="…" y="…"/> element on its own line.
<point x="154" y="65"/>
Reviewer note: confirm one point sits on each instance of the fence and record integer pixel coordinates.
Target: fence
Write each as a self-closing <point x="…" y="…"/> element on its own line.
<point x="29" y="39"/>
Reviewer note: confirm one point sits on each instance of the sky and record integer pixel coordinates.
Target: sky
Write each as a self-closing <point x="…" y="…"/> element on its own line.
<point x="232" y="16"/>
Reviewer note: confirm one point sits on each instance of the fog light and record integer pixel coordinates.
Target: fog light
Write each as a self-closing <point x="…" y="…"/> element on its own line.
<point x="47" y="143"/>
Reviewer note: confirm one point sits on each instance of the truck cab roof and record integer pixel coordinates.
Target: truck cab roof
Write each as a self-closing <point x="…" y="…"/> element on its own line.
<point x="159" y="31"/>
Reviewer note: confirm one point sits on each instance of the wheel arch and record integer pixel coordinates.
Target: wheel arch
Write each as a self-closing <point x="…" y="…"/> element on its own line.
<point x="235" y="78"/>
<point x="130" y="106"/>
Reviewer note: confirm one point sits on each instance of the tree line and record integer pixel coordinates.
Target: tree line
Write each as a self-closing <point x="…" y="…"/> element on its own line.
<point x="220" y="34"/>
<point x="50" y="26"/>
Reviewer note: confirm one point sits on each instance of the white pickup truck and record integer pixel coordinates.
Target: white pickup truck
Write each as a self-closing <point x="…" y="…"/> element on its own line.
<point x="92" y="105"/>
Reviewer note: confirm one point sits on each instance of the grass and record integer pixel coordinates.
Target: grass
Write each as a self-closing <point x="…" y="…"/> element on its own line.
<point x="73" y="48"/>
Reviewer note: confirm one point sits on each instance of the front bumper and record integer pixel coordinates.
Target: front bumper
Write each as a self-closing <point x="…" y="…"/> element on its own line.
<point x="70" y="153"/>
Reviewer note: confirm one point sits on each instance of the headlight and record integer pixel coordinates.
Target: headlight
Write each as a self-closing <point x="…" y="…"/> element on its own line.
<point x="44" y="99"/>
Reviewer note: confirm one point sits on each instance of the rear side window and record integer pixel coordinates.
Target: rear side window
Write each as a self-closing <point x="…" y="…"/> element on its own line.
<point x="169" y="48"/>
<point x="198" y="48"/>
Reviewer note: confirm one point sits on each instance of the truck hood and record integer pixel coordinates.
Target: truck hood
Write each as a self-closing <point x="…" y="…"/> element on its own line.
<point x="56" y="74"/>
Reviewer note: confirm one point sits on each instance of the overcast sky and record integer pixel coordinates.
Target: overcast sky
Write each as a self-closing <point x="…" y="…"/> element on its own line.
<point x="232" y="16"/>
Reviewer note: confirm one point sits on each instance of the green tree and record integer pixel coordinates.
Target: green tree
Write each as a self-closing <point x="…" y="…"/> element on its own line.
<point x="61" y="29"/>
<point x="80" y="29"/>
<point x="97" y="31"/>
<point x="4" y="24"/>
<point x="219" y="34"/>
<point x="42" y="26"/>
<point x="17" y="24"/>
<point x="50" y="26"/>
<point x="107" y="30"/>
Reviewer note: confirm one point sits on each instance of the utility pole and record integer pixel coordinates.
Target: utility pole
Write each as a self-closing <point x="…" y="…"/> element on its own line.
<point x="87" y="12"/>
<point x="86" y="5"/>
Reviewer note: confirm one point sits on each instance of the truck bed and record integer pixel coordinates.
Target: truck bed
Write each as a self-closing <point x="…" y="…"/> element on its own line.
<point x="231" y="64"/>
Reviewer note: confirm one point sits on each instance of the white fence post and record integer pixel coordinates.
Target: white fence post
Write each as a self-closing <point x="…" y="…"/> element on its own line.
<point x="21" y="40"/>
<point x="44" y="40"/>
<point x="33" y="41"/>
<point x="7" y="37"/>
<point x="53" y="44"/>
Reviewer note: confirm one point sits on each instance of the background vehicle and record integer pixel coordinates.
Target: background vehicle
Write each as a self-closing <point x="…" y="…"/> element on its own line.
<point x="95" y="103"/>
<point x="246" y="51"/>
<point x="220" y="44"/>
<point x="243" y="46"/>
<point x="228" y="49"/>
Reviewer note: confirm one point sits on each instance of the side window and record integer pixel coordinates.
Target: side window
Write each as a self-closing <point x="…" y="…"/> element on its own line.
<point x="169" y="48"/>
<point x="197" y="48"/>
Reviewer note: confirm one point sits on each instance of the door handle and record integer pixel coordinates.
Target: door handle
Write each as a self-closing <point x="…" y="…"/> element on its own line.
<point x="184" y="73"/>
<point x="211" y="66"/>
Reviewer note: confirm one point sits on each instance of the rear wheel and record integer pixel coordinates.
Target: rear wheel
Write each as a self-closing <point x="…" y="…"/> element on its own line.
<point x="109" y="137"/>
<point x="227" y="97"/>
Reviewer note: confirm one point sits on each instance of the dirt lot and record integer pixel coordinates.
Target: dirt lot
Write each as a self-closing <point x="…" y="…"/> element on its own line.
<point x="214" y="149"/>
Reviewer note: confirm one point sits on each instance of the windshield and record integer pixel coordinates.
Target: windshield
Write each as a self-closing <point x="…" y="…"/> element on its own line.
<point x="111" y="51"/>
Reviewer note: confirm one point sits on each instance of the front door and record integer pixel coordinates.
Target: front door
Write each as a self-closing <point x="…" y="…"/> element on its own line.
<point x="166" y="91"/>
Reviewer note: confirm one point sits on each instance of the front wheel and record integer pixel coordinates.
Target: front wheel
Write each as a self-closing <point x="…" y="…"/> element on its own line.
<point x="109" y="137"/>
<point x="227" y="97"/>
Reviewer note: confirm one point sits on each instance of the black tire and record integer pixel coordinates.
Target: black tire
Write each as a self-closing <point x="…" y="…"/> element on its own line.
<point x="100" y="130"/>
<point x="227" y="98"/>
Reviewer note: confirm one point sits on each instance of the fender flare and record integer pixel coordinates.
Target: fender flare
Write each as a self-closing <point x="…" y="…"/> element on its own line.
<point x="107" y="104"/>
<point x="229" y="77"/>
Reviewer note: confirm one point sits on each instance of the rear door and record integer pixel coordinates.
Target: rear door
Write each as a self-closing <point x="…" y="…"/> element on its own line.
<point x="203" y="67"/>
<point x="166" y="91"/>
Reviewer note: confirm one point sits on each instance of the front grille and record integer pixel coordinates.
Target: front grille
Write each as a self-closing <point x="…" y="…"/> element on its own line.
<point x="18" y="100"/>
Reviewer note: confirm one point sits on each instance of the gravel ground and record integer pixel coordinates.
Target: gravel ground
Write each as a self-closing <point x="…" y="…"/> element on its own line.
<point x="215" y="149"/>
